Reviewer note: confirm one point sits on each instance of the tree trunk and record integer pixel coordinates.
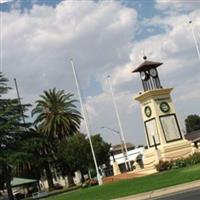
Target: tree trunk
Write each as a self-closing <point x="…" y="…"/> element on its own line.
<point x="9" y="190"/>
<point x="82" y="177"/>
<point x="70" y="180"/>
<point x="49" y="176"/>
<point x="7" y="171"/>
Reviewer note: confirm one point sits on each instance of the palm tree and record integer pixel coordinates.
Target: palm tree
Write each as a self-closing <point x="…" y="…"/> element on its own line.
<point x="57" y="118"/>
<point x="56" y="114"/>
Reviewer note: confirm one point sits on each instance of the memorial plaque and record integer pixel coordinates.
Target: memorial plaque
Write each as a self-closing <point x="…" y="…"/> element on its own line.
<point x="170" y="127"/>
<point x="151" y="130"/>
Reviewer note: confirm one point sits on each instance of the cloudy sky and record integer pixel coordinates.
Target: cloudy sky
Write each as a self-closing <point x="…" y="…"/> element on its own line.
<point x="39" y="37"/>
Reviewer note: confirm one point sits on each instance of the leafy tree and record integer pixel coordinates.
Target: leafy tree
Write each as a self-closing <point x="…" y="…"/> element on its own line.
<point x="192" y="123"/>
<point x="11" y="132"/>
<point x="31" y="160"/>
<point x="57" y="118"/>
<point x="102" y="150"/>
<point x="74" y="153"/>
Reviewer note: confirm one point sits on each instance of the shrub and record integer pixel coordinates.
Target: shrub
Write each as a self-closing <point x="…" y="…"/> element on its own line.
<point x="90" y="182"/>
<point x="193" y="159"/>
<point x="179" y="163"/>
<point x="163" y="165"/>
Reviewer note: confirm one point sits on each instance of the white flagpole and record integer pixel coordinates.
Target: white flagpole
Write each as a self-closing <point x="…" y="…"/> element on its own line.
<point x="195" y="39"/>
<point x="86" y="122"/>
<point x="119" y="123"/>
<point x="1" y="45"/>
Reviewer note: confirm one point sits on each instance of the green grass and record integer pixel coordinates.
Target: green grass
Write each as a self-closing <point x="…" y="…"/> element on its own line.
<point x="133" y="186"/>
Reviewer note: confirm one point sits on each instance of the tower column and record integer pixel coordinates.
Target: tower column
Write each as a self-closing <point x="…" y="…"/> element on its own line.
<point x="163" y="133"/>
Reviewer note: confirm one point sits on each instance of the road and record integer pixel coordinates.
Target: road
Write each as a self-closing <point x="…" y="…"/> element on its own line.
<point x="189" y="195"/>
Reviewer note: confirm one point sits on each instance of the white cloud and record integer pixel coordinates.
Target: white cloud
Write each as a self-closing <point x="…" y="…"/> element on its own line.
<point x="177" y="5"/>
<point x="104" y="115"/>
<point x="5" y="1"/>
<point x="38" y="44"/>
<point x="43" y="40"/>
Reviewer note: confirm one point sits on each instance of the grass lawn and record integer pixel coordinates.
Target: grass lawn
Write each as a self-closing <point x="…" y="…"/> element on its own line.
<point x="133" y="186"/>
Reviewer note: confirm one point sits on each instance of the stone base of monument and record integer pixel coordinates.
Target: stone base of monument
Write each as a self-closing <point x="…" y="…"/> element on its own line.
<point x="167" y="152"/>
<point x="149" y="161"/>
<point x="176" y="150"/>
<point x="116" y="170"/>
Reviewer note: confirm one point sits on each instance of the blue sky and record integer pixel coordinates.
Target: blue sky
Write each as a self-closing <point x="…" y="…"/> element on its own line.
<point x="104" y="37"/>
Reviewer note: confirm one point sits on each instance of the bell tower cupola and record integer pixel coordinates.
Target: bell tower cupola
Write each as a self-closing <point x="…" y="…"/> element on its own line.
<point x="149" y="74"/>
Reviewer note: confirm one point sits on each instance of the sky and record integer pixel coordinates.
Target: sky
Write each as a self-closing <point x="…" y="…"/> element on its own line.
<point x="38" y="38"/>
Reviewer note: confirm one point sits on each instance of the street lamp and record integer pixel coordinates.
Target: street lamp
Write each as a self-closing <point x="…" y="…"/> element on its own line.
<point x="118" y="118"/>
<point x="194" y="38"/>
<point x="121" y="143"/>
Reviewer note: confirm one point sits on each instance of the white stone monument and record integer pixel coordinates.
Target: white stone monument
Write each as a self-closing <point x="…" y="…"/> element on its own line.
<point x="163" y="134"/>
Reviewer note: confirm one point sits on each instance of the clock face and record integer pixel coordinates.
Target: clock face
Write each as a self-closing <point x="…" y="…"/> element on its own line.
<point x="147" y="111"/>
<point x="143" y="75"/>
<point x="153" y="72"/>
<point x="164" y="106"/>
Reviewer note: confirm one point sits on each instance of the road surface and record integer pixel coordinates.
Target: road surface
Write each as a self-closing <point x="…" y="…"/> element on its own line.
<point x="188" y="195"/>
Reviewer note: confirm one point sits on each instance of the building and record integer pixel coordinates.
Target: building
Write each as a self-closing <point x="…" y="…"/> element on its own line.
<point x="119" y="156"/>
<point x="117" y="148"/>
<point x="194" y="137"/>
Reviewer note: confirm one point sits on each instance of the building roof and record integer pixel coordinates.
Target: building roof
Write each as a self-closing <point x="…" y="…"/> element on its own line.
<point x="21" y="181"/>
<point x="193" y="136"/>
<point x="117" y="147"/>
<point x="147" y="65"/>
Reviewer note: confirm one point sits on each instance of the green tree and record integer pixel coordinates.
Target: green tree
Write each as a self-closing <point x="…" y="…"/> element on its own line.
<point x="30" y="161"/>
<point x="192" y="123"/>
<point x="58" y="118"/>
<point x="74" y="153"/>
<point x="102" y="150"/>
<point x="11" y="133"/>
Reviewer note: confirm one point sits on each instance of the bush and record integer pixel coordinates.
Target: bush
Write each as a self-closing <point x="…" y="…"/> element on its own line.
<point x="193" y="159"/>
<point x="164" y="165"/>
<point x="90" y="182"/>
<point x="179" y="163"/>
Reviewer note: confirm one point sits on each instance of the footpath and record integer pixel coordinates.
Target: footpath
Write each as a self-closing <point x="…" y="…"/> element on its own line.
<point x="164" y="191"/>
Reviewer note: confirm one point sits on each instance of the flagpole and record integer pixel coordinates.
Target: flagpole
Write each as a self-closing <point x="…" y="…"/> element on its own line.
<point x="20" y="103"/>
<point x="84" y="111"/>
<point x="195" y="39"/>
<point x="119" y="123"/>
<point x="1" y="45"/>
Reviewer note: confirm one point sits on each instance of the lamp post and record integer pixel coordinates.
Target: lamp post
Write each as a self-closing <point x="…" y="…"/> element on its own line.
<point x="194" y="38"/>
<point x="118" y="120"/>
<point x="20" y="104"/>
<point x="121" y="143"/>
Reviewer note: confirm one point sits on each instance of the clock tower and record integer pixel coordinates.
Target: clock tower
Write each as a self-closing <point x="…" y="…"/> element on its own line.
<point x="164" y="137"/>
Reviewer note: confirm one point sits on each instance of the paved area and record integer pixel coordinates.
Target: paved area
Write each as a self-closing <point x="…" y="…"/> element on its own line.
<point x="163" y="193"/>
<point x="189" y="195"/>
<point x="123" y="176"/>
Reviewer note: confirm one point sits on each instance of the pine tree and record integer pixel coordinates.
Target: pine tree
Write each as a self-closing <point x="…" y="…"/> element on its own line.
<point x="11" y="132"/>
